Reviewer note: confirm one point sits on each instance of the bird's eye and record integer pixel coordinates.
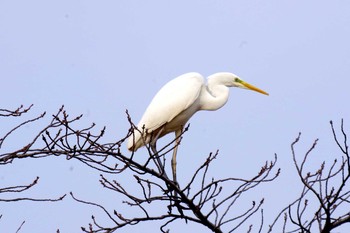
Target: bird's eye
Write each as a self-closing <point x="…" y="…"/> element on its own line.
<point x="237" y="80"/>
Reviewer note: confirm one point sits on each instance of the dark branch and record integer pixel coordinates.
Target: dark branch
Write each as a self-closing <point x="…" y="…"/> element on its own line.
<point x="202" y="200"/>
<point x="328" y="186"/>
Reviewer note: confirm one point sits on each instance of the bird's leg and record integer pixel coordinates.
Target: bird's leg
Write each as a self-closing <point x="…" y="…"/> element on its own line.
<point x="173" y="160"/>
<point x="155" y="153"/>
<point x="158" y="161"/>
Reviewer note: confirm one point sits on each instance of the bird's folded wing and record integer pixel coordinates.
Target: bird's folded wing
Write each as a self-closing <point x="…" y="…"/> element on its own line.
<point x="174" y="97"/>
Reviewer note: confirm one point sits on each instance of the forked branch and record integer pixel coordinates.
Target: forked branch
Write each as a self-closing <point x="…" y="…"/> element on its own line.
<point x="203" y="199"/>
<point x="328" y="186"/>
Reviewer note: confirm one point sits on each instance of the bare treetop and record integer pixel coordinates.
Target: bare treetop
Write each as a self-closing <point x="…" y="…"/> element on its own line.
<point x="322" y="205"/>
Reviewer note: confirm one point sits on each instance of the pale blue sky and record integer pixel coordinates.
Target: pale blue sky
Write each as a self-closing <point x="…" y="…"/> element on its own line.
<point x="102" y="57"/>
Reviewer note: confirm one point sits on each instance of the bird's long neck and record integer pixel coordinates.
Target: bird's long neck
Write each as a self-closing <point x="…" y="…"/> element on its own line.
<point x="214" y="95"/>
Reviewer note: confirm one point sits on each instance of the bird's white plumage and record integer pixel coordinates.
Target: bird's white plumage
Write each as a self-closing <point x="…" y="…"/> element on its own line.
<point x="178" y="100"/>
<point x="171" y="100"/>
<point x="175" y="104"/>
<point x="176" y="96"/>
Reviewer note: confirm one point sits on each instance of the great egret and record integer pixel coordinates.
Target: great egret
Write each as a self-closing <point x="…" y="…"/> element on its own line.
<point x="176" y="103"/>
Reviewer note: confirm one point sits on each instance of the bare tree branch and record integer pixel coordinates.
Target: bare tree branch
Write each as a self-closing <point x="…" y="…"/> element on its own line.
<point x="328" y="186"/>
<point x="17" y="112"/>
<point x="202" y="200"/>
<point x="22" y="188"/>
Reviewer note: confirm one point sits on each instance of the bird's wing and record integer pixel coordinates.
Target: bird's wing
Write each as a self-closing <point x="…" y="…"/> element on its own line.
<point x="173" y="98"/>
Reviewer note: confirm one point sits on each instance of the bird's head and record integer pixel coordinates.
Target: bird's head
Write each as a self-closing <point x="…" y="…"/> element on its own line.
<point x="232" y="80"/>
<point x="237" y="82"/>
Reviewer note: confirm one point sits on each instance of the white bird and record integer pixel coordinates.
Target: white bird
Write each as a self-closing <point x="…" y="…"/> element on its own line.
<point x="175" y="104"/>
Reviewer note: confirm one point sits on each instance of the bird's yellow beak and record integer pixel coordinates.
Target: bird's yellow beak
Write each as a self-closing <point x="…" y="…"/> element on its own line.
<point x="253" y="88"/>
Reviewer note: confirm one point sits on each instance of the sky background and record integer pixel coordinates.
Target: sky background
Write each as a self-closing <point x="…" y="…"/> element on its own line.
<point x="99" y="58"/>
